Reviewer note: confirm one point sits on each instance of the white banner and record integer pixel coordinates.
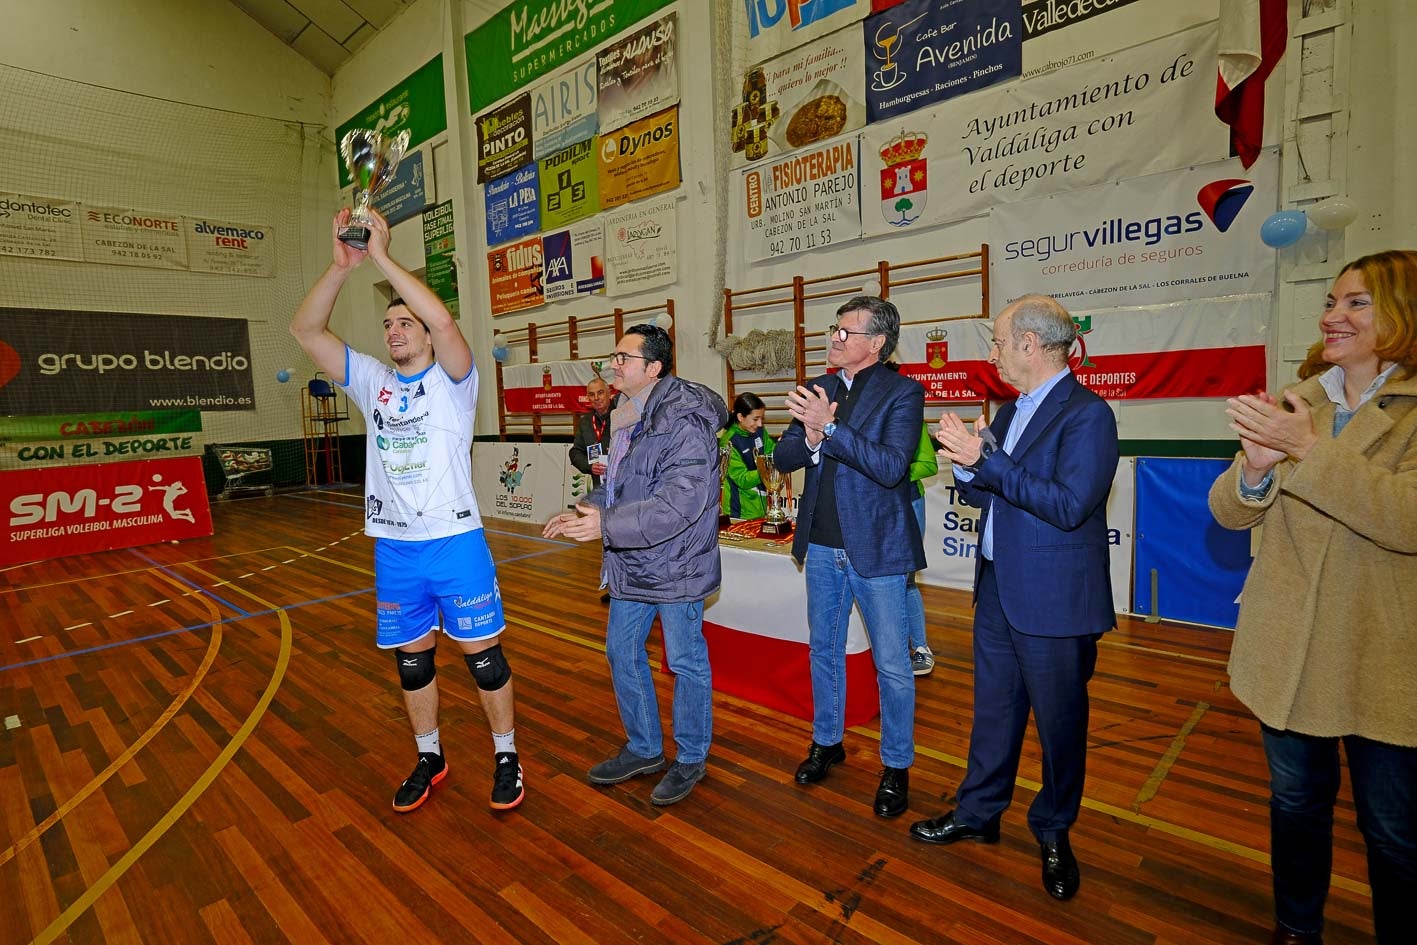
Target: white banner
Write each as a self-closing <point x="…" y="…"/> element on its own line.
<point x="1058" y="33"/>
<point x="520" y="481"/>
<point x="1147" y="109"/>
<point x="125" y="237"/>
<point x="237" y="249"/>
<point x="551" y="386"/>
<point x="952" y="534"/>
<point x="1164" y="238"/>
<point x="803" y="202"/>
<point x="573" y="261"/>
<point x="40" y="227"/>
<point x="563" y="110"/>
<point x="641" y="247"/>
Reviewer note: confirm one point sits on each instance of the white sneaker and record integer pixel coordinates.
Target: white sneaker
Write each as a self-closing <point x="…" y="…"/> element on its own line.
<point x="922" y="661"/>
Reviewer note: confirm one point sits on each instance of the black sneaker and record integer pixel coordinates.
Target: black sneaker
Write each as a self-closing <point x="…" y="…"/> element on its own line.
<point x="430" y="770"/>
<point x="507" y="790"/>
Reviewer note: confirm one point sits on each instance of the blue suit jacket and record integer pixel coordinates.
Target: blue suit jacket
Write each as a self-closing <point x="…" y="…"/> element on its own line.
<point x="873" y="451"/>
<point x="1050" y="513"/>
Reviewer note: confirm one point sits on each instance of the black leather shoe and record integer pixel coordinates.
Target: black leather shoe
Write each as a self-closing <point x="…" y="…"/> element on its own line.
<point x="820" y="758"/>
<point x="893" y="796"/>
<point x="1283" y="936"/>
<point x="945" y="829"/>
<point x="1060" y="868"/>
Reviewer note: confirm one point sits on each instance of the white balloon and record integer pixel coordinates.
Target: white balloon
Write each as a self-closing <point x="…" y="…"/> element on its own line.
<point x="1335" y="213"/>
<point x="871" y="287"/>
<point x="664" y="320"/>
<point x="499" y="340"/>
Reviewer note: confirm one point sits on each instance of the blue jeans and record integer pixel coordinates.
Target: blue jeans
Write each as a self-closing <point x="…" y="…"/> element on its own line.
<point x="914" y="603"/>
<point x="1304" y="776"/>
<point x="832" y="586"/>
<point x="687" y="653"/>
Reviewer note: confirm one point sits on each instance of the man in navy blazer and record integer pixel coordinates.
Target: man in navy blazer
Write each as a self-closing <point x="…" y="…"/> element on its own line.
<point x="856" y="432"/>
<point x="1041" y="472"/>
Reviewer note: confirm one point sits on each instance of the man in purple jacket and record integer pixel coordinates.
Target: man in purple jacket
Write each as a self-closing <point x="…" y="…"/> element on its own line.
<point x="656" y="511"/>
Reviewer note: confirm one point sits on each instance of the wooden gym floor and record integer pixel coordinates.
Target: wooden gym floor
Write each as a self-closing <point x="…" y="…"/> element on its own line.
<point x="200" y="744"/>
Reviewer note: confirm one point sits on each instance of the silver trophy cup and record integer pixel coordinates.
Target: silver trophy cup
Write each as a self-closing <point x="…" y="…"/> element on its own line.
<point x="371" y="158"/>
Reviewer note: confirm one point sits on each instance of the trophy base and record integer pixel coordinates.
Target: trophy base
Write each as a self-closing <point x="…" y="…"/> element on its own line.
<point x="724" y="521"/>
<point x="356" y="236"/>
<point x="775" y="529"/>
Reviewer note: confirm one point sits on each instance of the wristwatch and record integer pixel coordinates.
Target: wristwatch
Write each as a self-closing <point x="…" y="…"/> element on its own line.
<point x="828" y="429"/>
<point x="986" y="449"/>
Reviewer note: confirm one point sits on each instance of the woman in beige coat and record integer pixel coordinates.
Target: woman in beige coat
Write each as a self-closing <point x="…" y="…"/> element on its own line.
<point x="1326" y="645"/>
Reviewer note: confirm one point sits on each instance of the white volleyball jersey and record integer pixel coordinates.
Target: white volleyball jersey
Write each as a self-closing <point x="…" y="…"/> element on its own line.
<point x="418" y="458"/>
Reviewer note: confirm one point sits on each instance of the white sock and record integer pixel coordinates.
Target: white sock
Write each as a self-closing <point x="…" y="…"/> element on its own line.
<point x="503" y="744"/>
<point x="428" y="743"/>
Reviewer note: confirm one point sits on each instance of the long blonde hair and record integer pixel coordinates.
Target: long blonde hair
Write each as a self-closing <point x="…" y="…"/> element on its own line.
<point x="1391" y="278"/>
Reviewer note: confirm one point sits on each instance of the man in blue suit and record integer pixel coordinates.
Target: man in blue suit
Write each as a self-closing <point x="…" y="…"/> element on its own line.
<point x="856" y="432"/>
<point x="1041" y="472"/>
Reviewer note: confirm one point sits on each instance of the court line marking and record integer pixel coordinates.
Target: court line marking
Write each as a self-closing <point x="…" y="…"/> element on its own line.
<point x="167" y="569"/>
<point x="30" y="639"/>
<point x="198" y="788"/>
<point x="1152" y="784"/>
<point x="108" y="574"/>
<point x="128" y="753"/>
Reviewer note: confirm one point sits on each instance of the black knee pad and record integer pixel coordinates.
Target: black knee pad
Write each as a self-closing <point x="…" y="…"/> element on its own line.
<point x="416" y="670"/>
<point x="489" y="668"/>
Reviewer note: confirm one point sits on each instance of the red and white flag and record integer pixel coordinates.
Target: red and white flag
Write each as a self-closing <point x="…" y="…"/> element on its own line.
<point x="1253" y="34"/>
<point x="1205" y="348"/>
<point x="551" y="386"/>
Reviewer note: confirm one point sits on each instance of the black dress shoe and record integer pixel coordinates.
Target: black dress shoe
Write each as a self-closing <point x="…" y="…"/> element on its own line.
<point x="893" y="796"/>
<point x="945" y="829"/>
<point x="1060" y="868"/>
<point x="820" y="758"/>
<point x="1283" y="936"/>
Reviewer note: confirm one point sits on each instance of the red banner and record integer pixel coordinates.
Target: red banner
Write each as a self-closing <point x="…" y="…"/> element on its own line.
<point x="71" y="510"/>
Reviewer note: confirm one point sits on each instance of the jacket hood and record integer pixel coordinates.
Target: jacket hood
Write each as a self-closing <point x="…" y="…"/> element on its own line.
<point x="674" y="398"/>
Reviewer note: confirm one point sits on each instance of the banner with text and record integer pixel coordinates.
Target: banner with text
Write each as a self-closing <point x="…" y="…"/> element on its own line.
<point x="40" y="227"/>
<point x="641" y="247"/>
<point x="94" y="425"/>
<point x="551" y="386"/>
<point x="69" y="510"/>
<point x="764" y="29"/>
<point x="573" y="261"/>
<point x="416" y="104"/>
<point x="234" y="249"/>
<point x="564" y="110"/>
<point x="527" y="39"/>
<point x="803" y="202"/>
<point x="640" y="159"/>
<point x="1163" y="238"/>
<point x="1147" y="109"/>
<point x="926" y="51"/>
<point x="439" y="247"/>
<point x="99" y="450"/>
<point x="107" y="361"/>
<point x="512" y="205"/>
<point x="639" y="75"/>
<point x="504" y="137"/>
<point x="1201" y="348"/>
<point x="810" y="94"/>
<point x="520" y="481"/>
<point x="514" y="276"/>
<point x="570" y="185"/>
<point x="1058" y="33"/>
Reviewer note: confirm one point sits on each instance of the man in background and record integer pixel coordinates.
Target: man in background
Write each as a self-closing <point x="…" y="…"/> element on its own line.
<point x="593" y="430"/>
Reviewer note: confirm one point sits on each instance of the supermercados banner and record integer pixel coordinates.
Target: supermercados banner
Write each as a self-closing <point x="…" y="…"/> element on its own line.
<point x="550" y="386"/>
<point x="640" y="159"/>
<point x="810" y="94"/>
<point x="925" y="51"/>
<point x="763" y="29"/>
<point x="107" y="361"/>
<point x="803" y="202"/>
<point x="563" y="110"/>
<point x="1147" y="109"/>
<point x="1178" y="235"/>
<point x="639" y="75"/>
<point x="1205" y="348"/>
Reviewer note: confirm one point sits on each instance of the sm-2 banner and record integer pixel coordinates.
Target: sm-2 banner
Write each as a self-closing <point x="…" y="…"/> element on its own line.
<point x="78" y="362"/>
<point x="550" y="386"/>
<point x="71" y="510"/>
<point x="1205" y="348"/>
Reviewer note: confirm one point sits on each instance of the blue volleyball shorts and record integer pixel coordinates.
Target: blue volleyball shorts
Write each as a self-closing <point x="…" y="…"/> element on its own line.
<point x="416" y="581"/>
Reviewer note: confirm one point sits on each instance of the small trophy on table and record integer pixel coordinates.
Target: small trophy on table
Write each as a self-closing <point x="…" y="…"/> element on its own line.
<point x="775" y="523"/>
<point x="724" y="452"/>
<point x="371" y="159"/>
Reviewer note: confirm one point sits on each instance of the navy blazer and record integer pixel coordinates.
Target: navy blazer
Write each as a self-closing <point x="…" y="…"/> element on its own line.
<point x="873" y="451"/>
<point x="1050" y="513"/>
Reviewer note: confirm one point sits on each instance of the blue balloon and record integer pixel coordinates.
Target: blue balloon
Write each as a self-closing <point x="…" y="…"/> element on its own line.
<point x="282" y="375"/>
<point x="500" y="352"/>
<point x="1283" y="228"/>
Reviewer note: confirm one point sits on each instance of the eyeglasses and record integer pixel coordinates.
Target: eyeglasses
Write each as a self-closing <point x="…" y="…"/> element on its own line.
<point x="844" y="334"/>
<point x="620" y="357"/>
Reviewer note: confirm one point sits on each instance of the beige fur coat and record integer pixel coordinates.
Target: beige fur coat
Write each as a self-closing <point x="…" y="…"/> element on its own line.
<point x="1326" y="642"/>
